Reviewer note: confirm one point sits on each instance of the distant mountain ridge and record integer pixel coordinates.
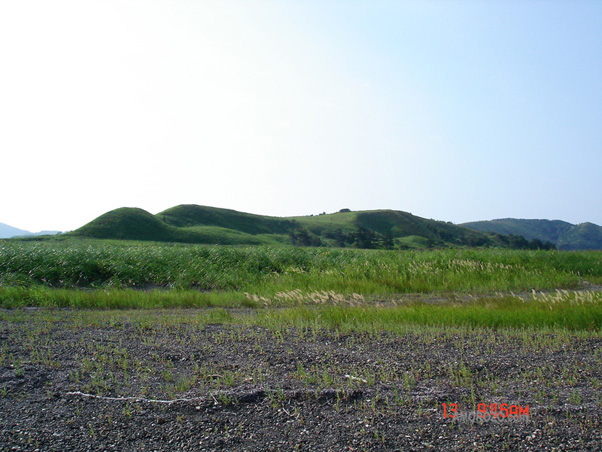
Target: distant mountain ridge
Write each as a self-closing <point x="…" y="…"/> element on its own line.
<point x="362" y="229"/>
<point x="7" y="232"/>
<point x="566" y="236"/>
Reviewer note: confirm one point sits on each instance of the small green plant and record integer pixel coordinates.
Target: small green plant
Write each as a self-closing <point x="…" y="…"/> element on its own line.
<point x="167" y="374"/>
<point x="575" y="397"/>
<point x="225" y="399"/>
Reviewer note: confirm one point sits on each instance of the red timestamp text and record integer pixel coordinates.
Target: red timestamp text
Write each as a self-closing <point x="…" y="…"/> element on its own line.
<point x="491" y="410"/>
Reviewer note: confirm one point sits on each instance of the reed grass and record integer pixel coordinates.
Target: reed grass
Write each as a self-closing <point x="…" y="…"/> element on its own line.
<point x="37" y="296"/>
<point x="266" y="271"/>
<point x="573" y="311"/>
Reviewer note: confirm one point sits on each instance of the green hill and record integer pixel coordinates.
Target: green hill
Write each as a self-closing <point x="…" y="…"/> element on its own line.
<point x="584" y="236"/>
<point x="401" y="228"/>
<point x="566" y="236"/>
<point x="192" y="215"/>
<point x="129" y="223"/>
<point x="211" y="225"/>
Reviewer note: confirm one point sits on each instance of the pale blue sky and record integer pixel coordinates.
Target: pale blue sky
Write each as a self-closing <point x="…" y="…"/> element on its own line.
<point x="453" y="110"/>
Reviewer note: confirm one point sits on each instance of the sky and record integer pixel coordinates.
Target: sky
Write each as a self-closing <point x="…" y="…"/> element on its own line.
<point x="451" y="110"/>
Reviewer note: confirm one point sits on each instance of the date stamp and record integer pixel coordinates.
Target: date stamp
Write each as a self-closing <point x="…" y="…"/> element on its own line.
<point x="492" y="412"/>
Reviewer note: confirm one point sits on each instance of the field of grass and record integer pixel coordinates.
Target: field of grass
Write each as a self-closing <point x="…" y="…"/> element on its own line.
<point x="98" y="263"/>
<point x="298" y="346"/>
<point x="345" y="285"/>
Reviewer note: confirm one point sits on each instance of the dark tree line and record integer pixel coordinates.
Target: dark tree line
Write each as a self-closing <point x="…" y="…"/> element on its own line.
<point x="362" y="238"/>
<point x="302" y="237"/>
<point x="521" y="243"/>
<point x="369" y="239"/>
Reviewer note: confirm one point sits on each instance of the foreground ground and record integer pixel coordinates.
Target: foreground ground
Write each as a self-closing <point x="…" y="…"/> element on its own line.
<point x="216" y="380"/>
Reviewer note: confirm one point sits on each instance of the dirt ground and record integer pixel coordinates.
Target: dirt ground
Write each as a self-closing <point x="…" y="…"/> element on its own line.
<point x="111" y="382"/>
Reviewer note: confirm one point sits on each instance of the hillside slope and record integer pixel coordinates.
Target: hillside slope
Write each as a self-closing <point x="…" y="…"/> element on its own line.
<point x="402" y="228"/>
<point x="128" y="223"/>
<point x="566" y="236"/>
<point x="187" y="215"/>
<point x="584" y="236"/>
<point x="211" y="225"/>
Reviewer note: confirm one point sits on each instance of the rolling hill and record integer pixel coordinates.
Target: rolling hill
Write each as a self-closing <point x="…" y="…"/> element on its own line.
<point x="566" y="236"/>
<point x="190" y="215"/>
<point x="211" y="225"/>
<point x="128" y="223"/>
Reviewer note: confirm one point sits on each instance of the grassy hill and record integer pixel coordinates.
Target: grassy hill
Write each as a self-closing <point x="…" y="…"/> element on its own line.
<point x="128" y="223"/>
<point x="211" y="225"/>
<point x="192" y="215"/>
<point x="566" y="236"/>
<point x="584" y="236"/>
<point x="402" y="228"/>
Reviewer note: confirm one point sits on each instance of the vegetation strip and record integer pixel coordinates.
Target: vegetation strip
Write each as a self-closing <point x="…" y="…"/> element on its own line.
<point x="570" y="310"/>
<point x="217" y="273"/>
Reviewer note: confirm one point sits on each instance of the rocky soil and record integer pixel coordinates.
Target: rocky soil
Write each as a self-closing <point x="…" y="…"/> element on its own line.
<point x="134" y="382"/>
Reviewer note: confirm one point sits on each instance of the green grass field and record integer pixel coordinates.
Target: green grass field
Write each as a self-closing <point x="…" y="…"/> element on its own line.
<point x="267" y="270"/>
<point x="336" y="285"/>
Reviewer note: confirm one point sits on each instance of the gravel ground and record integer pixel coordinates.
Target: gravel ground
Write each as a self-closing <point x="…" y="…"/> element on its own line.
<point x="107" y="381"/>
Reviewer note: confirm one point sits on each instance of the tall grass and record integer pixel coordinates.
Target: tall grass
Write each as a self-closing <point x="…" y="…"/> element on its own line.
<point x="563" y="311"/>
<point x="266" y="271"/>
<point x="19" y="297"/>
<point x="566" y="310"/>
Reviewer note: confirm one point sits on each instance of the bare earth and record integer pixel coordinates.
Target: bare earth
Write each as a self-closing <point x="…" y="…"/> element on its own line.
<point x="115" y="382"/>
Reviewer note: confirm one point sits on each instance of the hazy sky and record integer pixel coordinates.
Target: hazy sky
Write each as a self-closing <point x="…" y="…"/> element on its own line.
<point x="452" y="110"/>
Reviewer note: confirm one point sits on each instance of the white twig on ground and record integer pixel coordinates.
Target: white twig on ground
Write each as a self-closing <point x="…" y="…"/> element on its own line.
<point x="135" y="399"/>
<point x="351" y="377"/>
